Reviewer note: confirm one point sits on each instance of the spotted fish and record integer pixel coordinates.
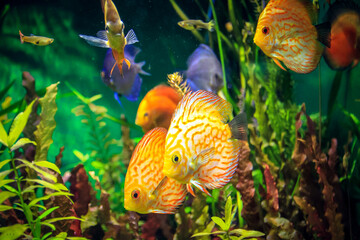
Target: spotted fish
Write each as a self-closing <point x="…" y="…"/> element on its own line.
<point x="147" y="190"/>
<point x="202" y="147"/>
<point x="285" y="32"/>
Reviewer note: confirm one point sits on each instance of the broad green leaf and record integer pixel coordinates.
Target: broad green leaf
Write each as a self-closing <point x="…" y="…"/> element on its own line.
<point x="4" y="162"/>
<point x="18" y="124"/>
<point x="38" y="170"/>
<point x="11" y="189"/>
<point x="228" y="207"/>
<point x="62" y="219"/>
<point x="47" y="212"/>
<point x="3" y="135"/>
<point x="247" y="233"/>
<point x="33" y="202"/>
<point x="53" y="186"/>
<point x="4" y="208"/>
<point x="13" y="231"/>
<point x="49" y="165"/>
<point x="5" y="182"/>
<point x="21" y="142"/>
<point x="46" y="127"/>
<point x="3" y="174"/>
<point x="219" y="222"/>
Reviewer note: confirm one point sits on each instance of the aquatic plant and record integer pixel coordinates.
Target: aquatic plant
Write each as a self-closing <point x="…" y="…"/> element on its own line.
<point x="32" y="179"/>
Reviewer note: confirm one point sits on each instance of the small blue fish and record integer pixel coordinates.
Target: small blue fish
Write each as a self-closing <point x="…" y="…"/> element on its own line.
<point x="204" y="70"/>
<point x="128" y="84"/>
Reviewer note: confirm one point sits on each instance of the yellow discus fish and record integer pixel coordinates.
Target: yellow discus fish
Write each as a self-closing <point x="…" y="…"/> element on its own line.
<point x="202" y="147"/>
<point x="285" y="32"/>
<point x="36" y="40"/>
<point x="147" y="190"/>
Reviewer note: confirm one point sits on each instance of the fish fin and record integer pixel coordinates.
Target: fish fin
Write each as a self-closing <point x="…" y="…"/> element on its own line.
<point x="117" y="97"/>
<point x="94" y="41"/>
<point x="102" y="35"/>
<point x="190" y="189"/>
<point x="162" y="211"/>
<point x="112" y="69"/>
<point x="135" y="89"/>
<point x="205" y="102"/>
<point x="324" y="33"/>
<point x="141" y="64"/>
<point x="204" y="156"/>
<point x="131" y="37"/>
<point x="199" y="186"/>
<point x="202" y="50"/>
<point x="131" y="52"/>
<point x="128" y="63"/>
<point x="238" y="127"/>
<point x="211" y="26"/>
<point x="159" y="186"/>
<point x="21" y="37"/>
<point x="279" y="64"/>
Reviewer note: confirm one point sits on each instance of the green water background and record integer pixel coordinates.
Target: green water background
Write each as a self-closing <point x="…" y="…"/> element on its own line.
<point x="165" y="47"/>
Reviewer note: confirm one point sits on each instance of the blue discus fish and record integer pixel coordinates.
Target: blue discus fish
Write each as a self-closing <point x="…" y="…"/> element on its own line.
<point x="128" y="84"/>
<point x="204" y="70"/>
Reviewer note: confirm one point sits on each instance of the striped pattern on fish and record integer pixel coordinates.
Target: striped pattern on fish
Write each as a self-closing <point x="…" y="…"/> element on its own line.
<point x="200" y="124"/>
<point x="145" y="174"/>
<point x="285" y="33"/>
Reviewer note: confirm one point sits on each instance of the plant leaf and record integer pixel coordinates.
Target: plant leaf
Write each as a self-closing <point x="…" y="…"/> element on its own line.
<point x="49" y="165"/>
<point x="4" y="162"/>
<point x="46" y="127"/>
<point x="3" y="135"/>
<point x="5" y="182"/>
<point x="5" y="195"/>
<point x="47" y="212"/>
<point x="21" y="142"/>
<point x="46" y="235"/>
<point x="56" y="186"/>
<point x="247" y="233"/>
<point x="50" y="226"/>
<point x="6" y="89"/>
<point x="33" y="202"/>
<point x="13" y="231"/>
<point x="18" y="124"/>
<point x="38" y="170"/>
<point x="3" y="174"/>
<point x="4" y="208"/>
<point x="62" y="219"/>
<point x="219" y="222"/>
<point x="228" y="215"/>
<point x="11" y="189"/>
<point x="201" y="234"/>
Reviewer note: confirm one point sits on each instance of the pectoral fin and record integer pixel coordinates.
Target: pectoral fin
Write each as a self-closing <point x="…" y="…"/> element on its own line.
<point x="94" y="41"/>
<point x="131" y="37"/>
<point x="190" y="189"/>
<point x="279" y="64"/>
<point x="158" y="188"/>
<point x="199" y="186"/>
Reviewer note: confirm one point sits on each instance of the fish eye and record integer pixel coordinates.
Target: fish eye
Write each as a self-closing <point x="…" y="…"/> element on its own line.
<point x="135" y="194"/>
<point x="175" y="158"/>
<point x="266" y="30"/>
<point x="146" y="114"/>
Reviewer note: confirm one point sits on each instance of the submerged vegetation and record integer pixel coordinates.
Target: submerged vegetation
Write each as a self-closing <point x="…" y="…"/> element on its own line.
<point x="294" y="180"/>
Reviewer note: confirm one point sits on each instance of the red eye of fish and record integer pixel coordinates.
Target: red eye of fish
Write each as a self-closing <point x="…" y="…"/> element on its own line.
<point x="266" y="30"/>
<point x="135" y="194"/>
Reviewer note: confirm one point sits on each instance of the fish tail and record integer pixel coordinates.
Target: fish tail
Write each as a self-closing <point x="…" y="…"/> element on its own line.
<point x="211" y="26"/>
<point x="238" y="127"/>
<point x="324" y="33"/>
<point x="21" y="37"/>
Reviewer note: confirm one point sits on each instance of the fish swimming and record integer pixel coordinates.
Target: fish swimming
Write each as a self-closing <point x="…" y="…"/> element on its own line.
<point x="36" y="40"/>
<point x="113" y="37"/>
<point x="202" y="147"/>
<point x="345" y="35"/>
<point x="157" y="108"/>
<point x="204" y="70"/>
<point x="129" y="83"/>
<point x="197" y="24"/>
<point x="285" y="32"/>
<point x="147" y="190"/>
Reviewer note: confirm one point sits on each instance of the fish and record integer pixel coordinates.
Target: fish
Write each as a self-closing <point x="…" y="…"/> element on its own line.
<point x="202" y="145"/>
<point x="129" y="83"/>
<point x="285" y="32"/>
<point x="345" y="35"/>
<point x="197" y="24"/>
<point x="204" y="70"/>
<point x="146" y="189"/>
<point x="36" y="40"/>
<point x="113" y="36"/>
<point x="157" y="107"/>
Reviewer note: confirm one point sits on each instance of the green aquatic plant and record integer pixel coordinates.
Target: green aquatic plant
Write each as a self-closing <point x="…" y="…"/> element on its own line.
<point x="225" y="225"/>
<point x="27" y="193"/>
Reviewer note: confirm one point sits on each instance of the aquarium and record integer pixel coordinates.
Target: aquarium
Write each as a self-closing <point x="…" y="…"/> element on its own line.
<point x="192" y="119"/>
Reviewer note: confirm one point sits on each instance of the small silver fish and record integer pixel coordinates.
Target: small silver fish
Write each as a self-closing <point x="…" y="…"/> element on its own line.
<point x="196" y="24"/>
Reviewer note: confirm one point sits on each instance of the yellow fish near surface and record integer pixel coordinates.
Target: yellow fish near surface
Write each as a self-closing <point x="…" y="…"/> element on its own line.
<point x="285" y="32"/>
<point x="196" y="24"/>
<point x="147" y="190"/>
<point x="113" y="37"/>
<point x="202" y="147"/>
<point x="36" y="40"/>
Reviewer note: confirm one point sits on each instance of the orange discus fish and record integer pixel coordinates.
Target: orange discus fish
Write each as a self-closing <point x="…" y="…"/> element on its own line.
<point x="157" y="107"/>
<point x="286" y="34"/>
<point x="147" y="190"/>
<point x="202" y="147"/>
<point x="345" y="35"/>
